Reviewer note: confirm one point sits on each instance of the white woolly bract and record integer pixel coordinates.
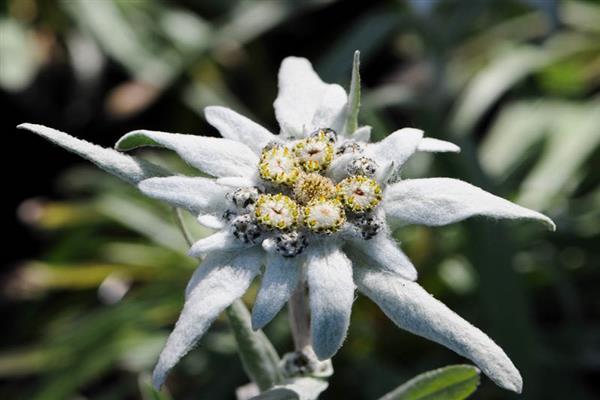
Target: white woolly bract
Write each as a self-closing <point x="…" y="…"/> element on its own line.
<point x="234" y="126"/>
<point x="397" y="147"/>
<point x="300" y="102"/>
<point x="221" y="279"/>
<point x="213" y="156"/>
<point x="331" y="293"/>
<point x="279" y="281"/>
<point x="432" y="145"/>
<point x="128" y="168"/>
<point x="222" y="240"/>
<point x="441" y="201"/>
<point x="412" y="308"/>
<point x="386" y="252"/>
<point x="196" y="194"/>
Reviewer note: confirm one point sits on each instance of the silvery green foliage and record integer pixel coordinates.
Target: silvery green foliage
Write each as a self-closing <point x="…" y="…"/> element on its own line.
<point x="454" y="382"/>
<point x="334" y="265"/>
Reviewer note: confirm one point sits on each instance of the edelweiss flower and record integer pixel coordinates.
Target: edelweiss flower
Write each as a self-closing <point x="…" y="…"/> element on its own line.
<point x="312" y="205"/>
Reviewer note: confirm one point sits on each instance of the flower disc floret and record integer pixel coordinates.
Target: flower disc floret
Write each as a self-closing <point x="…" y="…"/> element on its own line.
<point x="324" y="215"/>
<point x="313" y="186"/>
<point x="276" y="211"/>
<point x="327" y="134"/>
<point x="359" y="193"/>
<point x="314" y="153"/>
<point x="278" y="165"/>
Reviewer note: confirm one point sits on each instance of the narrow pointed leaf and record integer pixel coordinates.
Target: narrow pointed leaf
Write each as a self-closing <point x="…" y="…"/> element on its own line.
<point x="259" y="357"/>
<point x="354" y="97"/>
<point x="454" y="382"/>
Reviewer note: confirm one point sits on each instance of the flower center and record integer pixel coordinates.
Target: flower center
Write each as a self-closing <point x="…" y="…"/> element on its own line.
<point x="299" y="201"/>
<point x="324" y="215"/>
<point x="278" y="165"/>
<point x="313" y="186"/>
<point x="315" y="152"/>
<point x="276" y="211"/>
<point x="359" y="193"/>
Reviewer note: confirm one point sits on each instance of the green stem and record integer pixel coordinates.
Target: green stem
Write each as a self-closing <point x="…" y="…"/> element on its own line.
<point x="300" y="318"/>
<point x="181" y="225"/>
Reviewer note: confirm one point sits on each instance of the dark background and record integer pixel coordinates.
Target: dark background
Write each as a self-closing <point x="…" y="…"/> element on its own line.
<point x="87" y="298"/>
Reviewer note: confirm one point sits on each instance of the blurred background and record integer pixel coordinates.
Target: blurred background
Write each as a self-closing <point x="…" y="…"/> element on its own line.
<point x="93" y="273"/>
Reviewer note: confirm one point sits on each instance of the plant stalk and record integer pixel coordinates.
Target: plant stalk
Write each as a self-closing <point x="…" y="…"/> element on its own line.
<point x="299" y="315"/>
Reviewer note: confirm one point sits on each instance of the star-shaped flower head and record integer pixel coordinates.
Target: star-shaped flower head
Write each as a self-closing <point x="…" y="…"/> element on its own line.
<point x="313" y="206"/>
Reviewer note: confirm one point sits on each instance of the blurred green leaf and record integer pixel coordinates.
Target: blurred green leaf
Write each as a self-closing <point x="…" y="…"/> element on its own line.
<point x="455" y="382"/>
<point x="259" y="358"/>
<point x="507" y="69"/>
<point x="18" y="63"/>
<point x="570" y="133"/>
<point x="147" y="389"/>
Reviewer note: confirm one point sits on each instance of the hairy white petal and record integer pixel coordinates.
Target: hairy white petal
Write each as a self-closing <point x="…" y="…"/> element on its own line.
<point x="211" y="221"/>
<point x="128" y="168"/>
<point x="331" y="111"/>
<point x="396" y="147"/>
<point x="385" y="251"/>
<point x="214" y="156"/>
<point x="301" y="94"/>
<point x="432" y="145"/>
<point x="220" y="280"/>
<point x="235" y="126"/>
<point x="236" y="181"/>
<point x="222" y="240"/>
<point x="279" y="281"/>
<point x="412" y="308"/>
<point x="196" y="194"/>
<point x="331" y="293"/>
<point x="362" y="134"/>
<point x="338" y="169"/>
<point x="441" y="201"/>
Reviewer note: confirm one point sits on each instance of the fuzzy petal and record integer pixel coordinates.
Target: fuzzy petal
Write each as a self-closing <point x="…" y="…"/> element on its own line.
<point x="279" y="281"/>
<point x="331" y="111"/>
<point x="235" y="126"/>
<point x="331" y="293"/>
<point x="221" y="241"/>
<point x="396" y="147"/>
<point x="412" y="308"/>
<point x="431" y="145"/>
<point x="211" y="221"/>
<point x="130" y="169"/>
<point x="222" y="278"/>
<point x="214" y="156"/>
<point x="196" y="194"/>
<point x="236" y="181"/>
<point x="385" y="251"/>
<point x="441" y="201"/>
<point x="362" y="134"/>
<point x="301" y="94"/>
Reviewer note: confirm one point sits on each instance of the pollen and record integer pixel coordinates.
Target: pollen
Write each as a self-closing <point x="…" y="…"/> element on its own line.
<point x="278" y="165"/>
<point x="313" y="186"/>
<point x="359" y="193"/>
<point x="315" y="152"/>
<point x="324" y="215"/>
<point x="276" y="211"/>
